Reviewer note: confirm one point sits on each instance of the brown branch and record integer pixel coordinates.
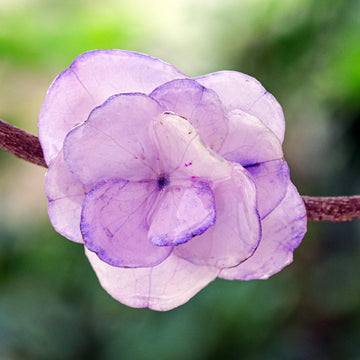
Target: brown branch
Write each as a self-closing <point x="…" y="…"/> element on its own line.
<point x="336" y="209"/>
<point x="21" y="144"/>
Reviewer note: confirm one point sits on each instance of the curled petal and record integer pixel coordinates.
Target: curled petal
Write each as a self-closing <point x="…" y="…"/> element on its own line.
<point x="114" y="223"/>
<point x="271" y="179"/>
<point x="92" y="78"/>
<point x="236" y="233"/>
<point x="249" y="141"/>
<point x="65" y="194"/>
<point x="182" y="153"/>
<point x="282" y="232"/>
<point x="114" y="142"/>
<point x="240" y="91"/>
<point x="163" y="287"/>
<point x="184" y="210"/>
<point x="201" y="106"/>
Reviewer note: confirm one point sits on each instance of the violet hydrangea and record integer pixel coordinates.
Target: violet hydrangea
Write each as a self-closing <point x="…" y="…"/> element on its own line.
<point x="168" y="181"/>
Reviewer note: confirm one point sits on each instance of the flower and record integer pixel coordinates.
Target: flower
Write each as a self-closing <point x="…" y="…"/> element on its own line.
<point x="168" y="181"/>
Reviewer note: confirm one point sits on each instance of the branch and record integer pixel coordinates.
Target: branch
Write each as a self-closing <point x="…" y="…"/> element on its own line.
<point x="21" y="144"/>
<point x="336" y="209"/>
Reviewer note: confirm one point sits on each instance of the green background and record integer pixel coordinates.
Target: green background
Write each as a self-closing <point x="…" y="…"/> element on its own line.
<point x="306" y="53"/>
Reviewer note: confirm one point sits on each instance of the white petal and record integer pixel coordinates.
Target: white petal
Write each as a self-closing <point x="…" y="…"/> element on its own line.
<point x="65" y="194"/>
<point x="163" y="287"/>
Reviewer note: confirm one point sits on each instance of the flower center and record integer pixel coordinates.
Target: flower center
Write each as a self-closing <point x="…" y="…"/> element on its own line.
<point x="162" y="181"/>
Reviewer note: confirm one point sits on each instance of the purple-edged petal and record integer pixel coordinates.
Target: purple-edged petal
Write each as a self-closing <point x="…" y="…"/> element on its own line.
<point x="249" y="141"/>
<point x="114" y="142"/>
<point x="114" y="223"/>
<point x="201" y="106"/>
<point x="182" y="155"/>
<point x="282" y="232"/>
<point x="65" y="194"/>
<point x="184" y="210"/>
<point x="271" y="179"/>
<point x="236" y="233"/>
<point x="163" y="287"/>
<point x="240" y="91"/>
<point x="88" y="82"/>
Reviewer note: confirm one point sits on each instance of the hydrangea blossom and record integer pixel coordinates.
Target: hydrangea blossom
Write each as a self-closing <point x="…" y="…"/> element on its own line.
<point x="168" y="181"/>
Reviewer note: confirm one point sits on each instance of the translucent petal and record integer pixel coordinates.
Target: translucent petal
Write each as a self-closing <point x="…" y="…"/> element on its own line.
<point x="114" y="142"/>
<point x="114" y="223"/>
<point x="236" y="233"/>
<point x="182" y="155"/>
<point x="65" y="194"/>
<point x="163" y="287"/>
<point x="91" y="79"/>
<point x="240" y="91"/>
<point x="249" y="141"/>
<point x="184" y="210"/>
<point x="282" y="232"/>
<point x="271" y="179"/>
<point x="201" y="106"/>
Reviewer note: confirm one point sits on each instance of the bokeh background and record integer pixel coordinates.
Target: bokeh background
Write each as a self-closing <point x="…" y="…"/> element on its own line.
<point x="305" y="52"/>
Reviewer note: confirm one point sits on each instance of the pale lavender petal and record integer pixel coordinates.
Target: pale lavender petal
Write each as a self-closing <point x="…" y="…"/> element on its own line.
<point x="240" y="91"/>
<point x="65" y="194"/>
<point x="282" y="232"/>
<point x="114" y="142"/>
<point x="88" y="82"/>
<point x="163" y="287"/>
<point x="249" y="141"/>
<point x="201" y="106"/>
<point x="236" y="233"/>
<point x="114" y="223"/>
<point x="181" y="152"/>
<point x="271" y="179"/>
<point x="184" y="210"/>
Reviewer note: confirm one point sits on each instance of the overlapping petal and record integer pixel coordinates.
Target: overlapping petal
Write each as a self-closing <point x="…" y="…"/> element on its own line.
<point x="201" y="106"/>
<point x="92" y="78"/>
<point x="182" y="153"/>
<point x="116" y="139"/>
<point x="162" y="287"/>
<point x="183" y="210"/>
<point x="240" y="91"/>
<point x="237" y="230"/>
<point x="271" y="179"/>
<point x="115" y="223"/>
<point x="282" y="232"/>
<point x="65" y="194"/>
<point x="249" y="141"/>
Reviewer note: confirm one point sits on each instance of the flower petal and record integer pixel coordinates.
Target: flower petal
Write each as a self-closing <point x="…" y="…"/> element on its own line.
<point x="65" y="194"/>
<point x="282" y="232"/>
<point x="271" y="179"/>
<point x="201" y="106"/>
<point x="240" y="91"/>
<point x="163" y="287"/>
<point x="88" y="82"/>
<point x="249" y="141"/>
<point x="184" y="210"/>
<point x="182" y="154"/>
<point x="114" y="223"/>
<point x="236" y="233"/>
<point x="114" y="142"/>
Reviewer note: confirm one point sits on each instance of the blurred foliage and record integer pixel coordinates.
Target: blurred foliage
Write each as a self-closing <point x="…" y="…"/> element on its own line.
<point x="307" y="53"/>
<point x="53" y="31"/>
